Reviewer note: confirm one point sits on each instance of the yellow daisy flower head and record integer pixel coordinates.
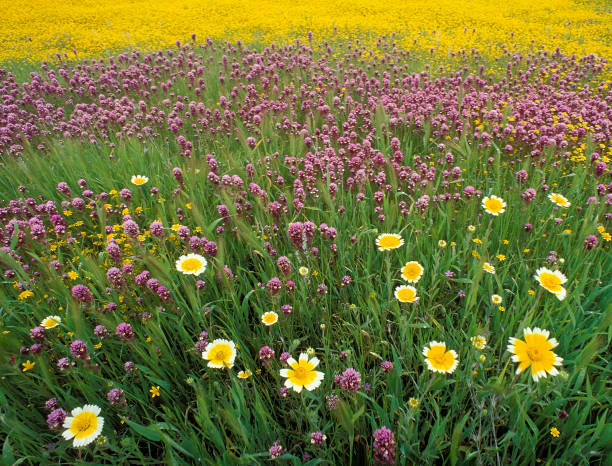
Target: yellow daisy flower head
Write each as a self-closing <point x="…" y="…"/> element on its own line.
<point x="438" y="359"/>
<point x="494" y="205"/>
<point x="496" y="299"/>
<point x="220" y="353"/>
<point x="552" y="281"/>
<point x="479" y="342"/>
<point x="84" y="425"/>
<point x="389" y="241"/>
<point x="269" y="318"/>
<point x="51" y="321"/>
<point x="406" y="294"/>
<point x="303" y="271"/>
<point x="301" y="373"/>
<point x="191" y="264"/>
<point x="442" y="244"/>
<point x="139" y="180"/>
<point x="535" y="352"/>
<point x="413" y="402"/>
<point x="245" y="374"/>
<point x="559" y="199"/>
<point x="412" y="271"/>
<point x="555" y="432"/>
<point x="488" y="268"/>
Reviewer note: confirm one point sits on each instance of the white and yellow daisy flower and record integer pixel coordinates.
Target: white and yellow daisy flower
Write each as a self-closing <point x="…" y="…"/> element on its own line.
<point x="493" y="205"/>
<point x="389" y="241"/>
<point x="269" y="318"/>
<point x="191" y="264"/>
<point x="84" y="425"/>
<point x="220" y="354"/>
<point x="51" y="321"/>
<point x="552" y="281"/>
<point x="301" y="373"/>
<point x="139" y="180"/>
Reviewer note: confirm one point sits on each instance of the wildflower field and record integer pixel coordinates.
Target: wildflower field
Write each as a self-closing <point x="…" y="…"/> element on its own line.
<point x="315" y="233"/>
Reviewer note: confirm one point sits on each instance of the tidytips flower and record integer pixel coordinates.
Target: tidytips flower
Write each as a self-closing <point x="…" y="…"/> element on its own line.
<point x="191" y="264"/>
<point x="479" y="342"/>
<point x="559" y="199"/>
<point x="488" y="268"/>
<point x="269" y="318"/>
<point x="406" y="294"/>
<point x="301" y="373"/>
<point x="535" y="352"/>
<point x="412" y="271"/>
<point x="438" y="359"/>
<point x="139" y="180"/>
<point x="84" y="425"/>
<point x="220" y="354"/>
<point x="245" y="374"/>
<point x="389" y="241"/>
<point x="51" y="321"/>
<point x="552" y="281"/>
<point x="494" y="205"/>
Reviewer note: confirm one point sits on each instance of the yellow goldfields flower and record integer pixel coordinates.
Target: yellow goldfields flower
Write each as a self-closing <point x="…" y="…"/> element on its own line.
<point x="28" y="365"/>
<point x="555" y="432"/>
<point x="25" y="294"/>
<point x="438" y="359"/>
<point x="301" y="373"/>
<point x="535" y="352"/>
<point x="413" y="402"/>
<point x="154" y="391"/>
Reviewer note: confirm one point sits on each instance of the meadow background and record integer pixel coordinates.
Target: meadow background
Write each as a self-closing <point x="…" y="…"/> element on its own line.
<point x="279" y="140"/>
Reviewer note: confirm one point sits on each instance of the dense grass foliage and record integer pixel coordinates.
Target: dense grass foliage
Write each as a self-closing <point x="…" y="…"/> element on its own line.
<point x="281" y="167"/>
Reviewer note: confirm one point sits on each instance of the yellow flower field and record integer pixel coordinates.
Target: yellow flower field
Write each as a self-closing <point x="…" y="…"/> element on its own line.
<point x="36" y="30"/>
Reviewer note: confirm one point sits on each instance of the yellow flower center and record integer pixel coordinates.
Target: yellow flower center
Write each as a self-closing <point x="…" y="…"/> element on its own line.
<point x="494" y="205"/>
<point x="84" y="424"/>
<point x="559" y="199"/>
<point x="302" y="373"/>
<point x="551" y="282"/>
<point x="406" y="295"/>
<point x="389" y="242"/>
<point x="534" y="354"/>
<point x="191" y="265"/>
<point x="411" y="271"/>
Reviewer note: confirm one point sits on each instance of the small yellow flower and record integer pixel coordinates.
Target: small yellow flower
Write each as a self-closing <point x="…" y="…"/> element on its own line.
<point x="154" y="391"/>
<point x="72" y="275"/>
<point x="555" y="432"/>
<point x="477" y="241"/>
<point x="606" y="236"/>
<point x="482" y="358"/>
<point x="441" y="244"/>
<point x="479" y="342"/>
<point x="303" y="271"/>
<point x="25" y="294"/>
<point x="28" y="365"/>
<point x="453" y="243"/>
<point x="98" y="345"/>
<point x="526" y="250"/>
<point x="501" y="308"/>
<point x="506" y="241"/>
<point x="245" y="374"/>
<point x="501" y="257"/>
<point x="471" y="228"/>
<point x="412" y="272"/>
<point x="476" y="254"/>
<point x="413" y="402"/>
<point x="310" y="351"/>
<point x="567" y="231"/>
<point x="496" y="299"/>
<point x="531" y="292"/>
<point x="439" y="359"/>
